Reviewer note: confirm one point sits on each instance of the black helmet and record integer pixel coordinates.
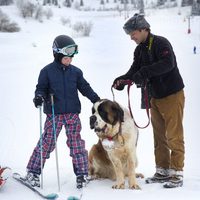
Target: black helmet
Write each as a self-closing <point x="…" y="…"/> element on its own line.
<point x="64" y="45"/>
<point x="136" y="22"/>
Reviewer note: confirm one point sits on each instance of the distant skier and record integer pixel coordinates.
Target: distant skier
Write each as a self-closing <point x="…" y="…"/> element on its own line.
<point x="194" y="50"/>
<point x="5" y="173"/>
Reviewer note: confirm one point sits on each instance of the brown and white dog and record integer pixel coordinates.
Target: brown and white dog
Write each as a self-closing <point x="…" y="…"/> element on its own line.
<point x="114" y="156"/>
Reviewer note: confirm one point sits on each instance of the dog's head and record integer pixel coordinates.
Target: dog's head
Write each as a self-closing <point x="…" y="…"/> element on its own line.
<point x="106" y="117"/>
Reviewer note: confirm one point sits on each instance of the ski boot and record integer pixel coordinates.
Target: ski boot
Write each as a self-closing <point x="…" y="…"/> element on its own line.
<point x="33" y="179"/>
<point x="176" y="179"/>
<point x="81" y="181"/>
<point x="161" y="176"/>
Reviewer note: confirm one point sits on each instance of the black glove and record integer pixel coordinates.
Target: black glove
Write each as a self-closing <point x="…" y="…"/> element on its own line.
<point x="137" y="78"/>
<point x="119" y="83"/>
<point x="38" y="100"/>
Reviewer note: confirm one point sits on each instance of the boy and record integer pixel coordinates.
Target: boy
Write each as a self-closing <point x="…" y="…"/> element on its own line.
<point x="62" y="80"/>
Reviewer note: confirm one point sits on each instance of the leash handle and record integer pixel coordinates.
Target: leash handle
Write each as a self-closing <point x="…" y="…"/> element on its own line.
<point x="130" y="83"/>
<point x="124" y="82"/>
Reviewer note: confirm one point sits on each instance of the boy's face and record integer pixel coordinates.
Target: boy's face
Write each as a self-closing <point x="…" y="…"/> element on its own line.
<point x="66" y="60"/>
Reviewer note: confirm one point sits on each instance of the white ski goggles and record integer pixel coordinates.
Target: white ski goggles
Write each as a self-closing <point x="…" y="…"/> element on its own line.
<point x="68" y="50"/>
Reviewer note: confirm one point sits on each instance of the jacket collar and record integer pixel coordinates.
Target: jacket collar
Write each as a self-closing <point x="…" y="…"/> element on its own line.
<point x="147" y="41"/>
<point x="61" y="66"/>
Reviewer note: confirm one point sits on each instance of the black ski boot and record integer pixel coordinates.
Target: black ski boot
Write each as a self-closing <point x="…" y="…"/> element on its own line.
<point x="176" y="179"/>
<point x="33" y="179"/>
<point x="161" y="176"/>
<point x="81" y="181"/>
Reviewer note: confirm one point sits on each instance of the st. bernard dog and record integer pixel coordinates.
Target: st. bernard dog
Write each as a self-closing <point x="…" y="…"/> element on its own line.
<point x="114" y="156"/>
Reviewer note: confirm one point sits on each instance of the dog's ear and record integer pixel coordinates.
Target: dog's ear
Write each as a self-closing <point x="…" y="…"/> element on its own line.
<point x="119" y="113"/>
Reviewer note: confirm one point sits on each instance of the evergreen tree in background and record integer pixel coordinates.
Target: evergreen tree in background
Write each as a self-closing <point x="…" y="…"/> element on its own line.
<point x="196" y="8"/>
<point x="50" y="2"/>
<point x="187" y="2"/>
<point x="68" y="3"/>
<point x="161" y="2"/>
<point x="141" y="6"/>
<point x="102" y="2"/>
<point x="5" y="2"/>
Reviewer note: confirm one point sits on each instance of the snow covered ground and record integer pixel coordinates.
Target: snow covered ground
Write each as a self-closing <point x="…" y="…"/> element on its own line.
<point x="106" y="54"/>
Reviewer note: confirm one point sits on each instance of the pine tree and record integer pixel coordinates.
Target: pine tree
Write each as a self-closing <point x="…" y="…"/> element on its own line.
<point x="5" y="2"/>
<point x="161" y="2"/>
<point x="102" y="2"/>
<point x="187" y="2"/>
<point x="68" y="3"/>
<point x="81" y="3"/>
<point x="196" y="8"/>
<point x="141" y="6"/>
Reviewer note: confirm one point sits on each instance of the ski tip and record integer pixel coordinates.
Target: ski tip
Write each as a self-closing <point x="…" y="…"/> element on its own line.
<point x="73" y="198"/>
<point x="52" y="196"/>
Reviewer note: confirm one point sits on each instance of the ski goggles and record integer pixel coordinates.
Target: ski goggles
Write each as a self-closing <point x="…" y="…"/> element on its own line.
<point x="68" y="51"/>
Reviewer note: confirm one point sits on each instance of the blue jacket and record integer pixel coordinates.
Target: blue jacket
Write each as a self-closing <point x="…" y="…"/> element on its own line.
<point x="64" y="83"/>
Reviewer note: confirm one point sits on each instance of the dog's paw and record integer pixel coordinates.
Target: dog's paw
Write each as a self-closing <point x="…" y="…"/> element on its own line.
<point x="119" y="186"/>
<point x="139" y="175"/>
<point x="95" y="177"/>
<point x="134" y="187"/>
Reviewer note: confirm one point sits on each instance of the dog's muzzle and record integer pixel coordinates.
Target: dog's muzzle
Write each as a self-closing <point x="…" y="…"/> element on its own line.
<point x="93" y="120"/>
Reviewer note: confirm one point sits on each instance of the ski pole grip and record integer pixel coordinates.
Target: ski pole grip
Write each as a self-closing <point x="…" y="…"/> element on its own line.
<point x="52" y="100"/>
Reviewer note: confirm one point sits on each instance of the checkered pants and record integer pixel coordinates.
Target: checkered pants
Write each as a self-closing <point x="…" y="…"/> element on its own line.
<point x="77" y="146"/>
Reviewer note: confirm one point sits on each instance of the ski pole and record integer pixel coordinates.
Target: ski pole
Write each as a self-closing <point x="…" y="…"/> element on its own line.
<point x="54" y="132"/>
<point x="41" y="145"/>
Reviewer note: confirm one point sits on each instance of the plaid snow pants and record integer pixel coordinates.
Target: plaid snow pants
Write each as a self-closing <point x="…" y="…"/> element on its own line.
<point x="77" y="146"/>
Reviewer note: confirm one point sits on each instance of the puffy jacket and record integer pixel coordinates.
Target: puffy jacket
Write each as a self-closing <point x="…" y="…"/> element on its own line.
<point x="158" y="65"/>
<point x="64" y="83"/>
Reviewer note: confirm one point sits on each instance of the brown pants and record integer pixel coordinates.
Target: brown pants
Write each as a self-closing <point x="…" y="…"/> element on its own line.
<point x="167" y="117"/>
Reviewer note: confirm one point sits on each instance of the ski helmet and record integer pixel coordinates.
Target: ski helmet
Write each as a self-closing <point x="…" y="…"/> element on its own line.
<point x="137" y="22"/>
<point x="64" y="45"/>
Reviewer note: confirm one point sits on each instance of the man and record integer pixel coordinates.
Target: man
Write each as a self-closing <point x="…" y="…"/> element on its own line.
<point x="155" y="66"/>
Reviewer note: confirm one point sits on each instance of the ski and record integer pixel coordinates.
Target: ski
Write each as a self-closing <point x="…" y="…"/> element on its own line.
<point x="73" y="198"/>
<point x="21" y="180"/>
<point x="78" y="196"/>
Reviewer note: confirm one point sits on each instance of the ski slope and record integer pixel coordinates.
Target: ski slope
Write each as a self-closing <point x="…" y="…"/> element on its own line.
<point x="103" y="56"/>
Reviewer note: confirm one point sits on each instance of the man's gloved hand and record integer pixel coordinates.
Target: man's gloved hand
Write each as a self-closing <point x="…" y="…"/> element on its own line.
<point x="38" y="100"/>
<point x="137" y="78"/>
<point x="119" y="83"/>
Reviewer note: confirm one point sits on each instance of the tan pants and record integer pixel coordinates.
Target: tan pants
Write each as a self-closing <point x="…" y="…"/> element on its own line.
<point x="167" y="117"/>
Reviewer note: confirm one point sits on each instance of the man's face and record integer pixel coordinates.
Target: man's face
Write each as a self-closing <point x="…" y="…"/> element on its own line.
<point x="138" y="36"/>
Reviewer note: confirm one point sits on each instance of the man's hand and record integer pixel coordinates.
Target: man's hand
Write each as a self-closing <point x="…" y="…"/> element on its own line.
<point x="138" y="78"/>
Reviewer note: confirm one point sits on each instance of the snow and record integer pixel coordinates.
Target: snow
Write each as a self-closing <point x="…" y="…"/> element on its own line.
<point x="103" y="56"/>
